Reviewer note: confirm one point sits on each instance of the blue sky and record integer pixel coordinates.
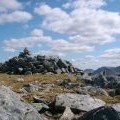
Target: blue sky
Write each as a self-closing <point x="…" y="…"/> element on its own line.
<point x="86" y="32"/>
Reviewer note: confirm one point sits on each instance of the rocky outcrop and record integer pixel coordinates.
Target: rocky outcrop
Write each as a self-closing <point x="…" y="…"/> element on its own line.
<point x="100" y="80"/>
<point x="12" y="108"/>
<point x="105" y="81"/>
<point x="79" y="102"/>
<point x="24" y="63"/>
<point x="101" y="113"/>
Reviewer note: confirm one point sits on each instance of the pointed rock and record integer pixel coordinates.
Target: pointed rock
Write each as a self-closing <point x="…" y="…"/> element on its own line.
<point x="67" y="115"/>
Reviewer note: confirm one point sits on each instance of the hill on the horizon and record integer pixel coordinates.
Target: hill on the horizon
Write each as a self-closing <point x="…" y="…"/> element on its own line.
<point x="108" y="71"/>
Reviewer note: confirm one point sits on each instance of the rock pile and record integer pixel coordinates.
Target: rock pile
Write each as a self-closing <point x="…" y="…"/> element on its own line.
<point x="24" y="63"/>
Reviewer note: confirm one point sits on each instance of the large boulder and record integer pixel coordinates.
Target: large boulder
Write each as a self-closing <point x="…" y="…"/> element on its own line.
<point x="79" y="102"/>
<point x="12" y="108"/>
<point x="101" y="113"/>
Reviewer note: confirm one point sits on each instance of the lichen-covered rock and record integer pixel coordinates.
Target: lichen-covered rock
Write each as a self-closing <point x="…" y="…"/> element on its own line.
<point x="12" y="108"/>
<point x="79" y="102"/>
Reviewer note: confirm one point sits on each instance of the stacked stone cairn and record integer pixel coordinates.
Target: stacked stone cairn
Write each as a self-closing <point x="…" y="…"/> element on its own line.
<point x="24" y="63"/>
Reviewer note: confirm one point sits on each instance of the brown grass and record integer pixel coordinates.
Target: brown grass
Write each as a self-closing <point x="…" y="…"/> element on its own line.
<point x="11" y="80"/>
<point x="110" y="100"/>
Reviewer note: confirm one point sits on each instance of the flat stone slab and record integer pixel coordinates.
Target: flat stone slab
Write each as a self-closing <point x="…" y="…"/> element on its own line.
<point x="79" y="102"/>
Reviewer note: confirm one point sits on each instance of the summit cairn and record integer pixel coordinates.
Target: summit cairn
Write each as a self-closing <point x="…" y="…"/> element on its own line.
<point x="25" y="53"/>
<point x="25" y="63"/>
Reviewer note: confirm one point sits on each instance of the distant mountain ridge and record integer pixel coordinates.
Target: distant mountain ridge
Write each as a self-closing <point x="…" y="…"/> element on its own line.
<point x="108" y="71"/>
<point x="89" y="71"/>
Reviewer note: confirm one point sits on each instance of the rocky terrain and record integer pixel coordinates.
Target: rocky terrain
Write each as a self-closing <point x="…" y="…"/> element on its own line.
<point x="49" y="88"/>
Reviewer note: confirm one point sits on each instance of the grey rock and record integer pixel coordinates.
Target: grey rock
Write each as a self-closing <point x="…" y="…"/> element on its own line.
<point x="117" y="89"/>
<point x="63" y="70"/>
<point x="106" y="81"/>
<point x="84" y="77"/>
<point x="92" y="91"/>
<point x="71" y="69"/>
<point x="12" y="108"/>
<point x="58" y="71"/>
<point x="20" y="80"/>
<point x="116" y="107"/>
<point x="20" y="69"/>
<point x="37" y="99"/>
<point x="111" y="92"/>
<point x="79" y="102"/>
<point x="62" y="63"/>
<point x="67" y="83"/>
<point x="100" y="80"/>
<point x="40" y="106"/>
<point x="67" y="115"/>
<point x="64" y="82"/>
<point x="28" y="73"/>
<point x="31" y="87"/>
<point x="49" y="73"/>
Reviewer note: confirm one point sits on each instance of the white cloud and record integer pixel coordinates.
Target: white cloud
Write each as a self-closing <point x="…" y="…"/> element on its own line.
<point x="37" y="32"/>
<point x="88" y="4"/>
<point x="9" y="49"/>
<point x="13" y="11"/>
<point x="50" y="53"/>
<point x="87" y="23"/>
<point x="31" y="41"/>
<point x="56" y="46"/>
<point x="17" y="16"/>
<point x="54" y="17"/>
<point x="111" y="54"/>
<point x="9" y="5"/>
<point x="110" y="57"/>
<point x="43" y="10"/>
<point x="67" y="46"/>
